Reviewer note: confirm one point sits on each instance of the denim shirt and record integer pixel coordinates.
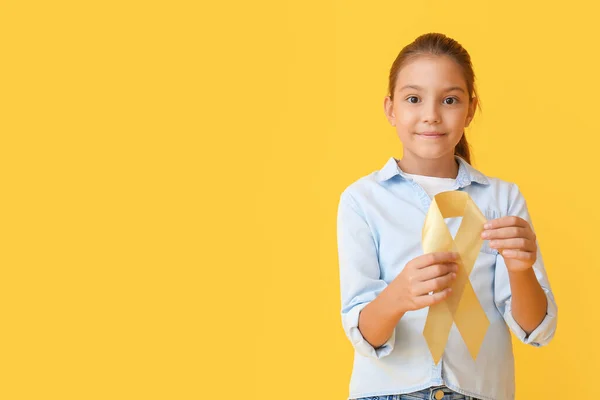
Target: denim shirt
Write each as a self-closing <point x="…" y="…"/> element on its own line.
<point x="379" y="223"/>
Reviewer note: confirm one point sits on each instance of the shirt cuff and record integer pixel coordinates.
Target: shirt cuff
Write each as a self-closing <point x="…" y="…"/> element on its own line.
<point x="544" y="332"/>
<point x="359" y="342"/>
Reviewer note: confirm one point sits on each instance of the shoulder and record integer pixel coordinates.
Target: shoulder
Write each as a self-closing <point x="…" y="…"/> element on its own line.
<point x="498" y="185"/>
<point x="373" y="191"/>
<point x="361" y="189"/>
<point x="372" y="182"/>
<point x="502" y="194"/>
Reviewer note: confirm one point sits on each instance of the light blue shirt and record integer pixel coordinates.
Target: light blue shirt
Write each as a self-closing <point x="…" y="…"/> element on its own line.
<point x="380" y="217"/>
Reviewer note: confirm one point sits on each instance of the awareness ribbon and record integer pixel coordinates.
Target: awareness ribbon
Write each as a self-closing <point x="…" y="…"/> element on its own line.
<point x="462" y="306"/>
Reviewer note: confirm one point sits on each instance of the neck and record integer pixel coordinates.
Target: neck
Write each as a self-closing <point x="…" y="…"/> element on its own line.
<point x="444" y="167"/>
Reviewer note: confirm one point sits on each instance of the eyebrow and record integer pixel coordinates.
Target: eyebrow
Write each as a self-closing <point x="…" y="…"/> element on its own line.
<point x="420" y="88"/>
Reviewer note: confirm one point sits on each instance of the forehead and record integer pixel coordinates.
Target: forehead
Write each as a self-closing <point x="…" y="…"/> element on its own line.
<point x="431" y="73"/>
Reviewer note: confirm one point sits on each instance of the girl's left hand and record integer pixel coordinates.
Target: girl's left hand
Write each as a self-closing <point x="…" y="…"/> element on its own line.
<point x="515" y="241"/>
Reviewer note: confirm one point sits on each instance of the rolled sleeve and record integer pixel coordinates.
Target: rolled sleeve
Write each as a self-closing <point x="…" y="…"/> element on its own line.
<point x="360" y="277"/>
<point x="350" y="322"/>
<point x="545" y="331"/>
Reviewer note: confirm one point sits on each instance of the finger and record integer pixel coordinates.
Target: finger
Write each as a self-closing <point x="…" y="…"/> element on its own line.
<point x="435" y="271"/>
<point x="519" y="255"/>
<point x="431" y="299"/>
<point x="515" y="244"/>
<point x="435" y="285"/>
<point x="508" y="220"/>
<point x="507" y="232"/>
<point x="435" y="258"/>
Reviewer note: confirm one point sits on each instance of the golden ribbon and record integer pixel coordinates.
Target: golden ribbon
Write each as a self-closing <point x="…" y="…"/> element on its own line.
<point x="462" y="306"/>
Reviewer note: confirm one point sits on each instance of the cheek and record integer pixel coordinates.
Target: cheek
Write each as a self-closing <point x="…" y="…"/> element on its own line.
<point x="406" y="119"/>
<point x="405" y="127"/>
<point x="457" y="118"/>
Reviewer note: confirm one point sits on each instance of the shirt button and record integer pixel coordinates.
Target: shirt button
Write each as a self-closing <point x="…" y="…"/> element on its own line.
<point x="439" y="395"/>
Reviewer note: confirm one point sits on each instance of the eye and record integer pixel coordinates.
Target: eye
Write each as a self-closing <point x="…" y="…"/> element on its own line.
<point x="454" y="100"/>
<point x="411" y="97"/>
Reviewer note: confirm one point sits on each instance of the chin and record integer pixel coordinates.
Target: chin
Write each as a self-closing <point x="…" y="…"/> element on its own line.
<point x="433" y="153"/>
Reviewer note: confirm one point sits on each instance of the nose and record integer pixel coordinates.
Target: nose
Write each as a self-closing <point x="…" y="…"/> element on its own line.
<point x="431" y="113"/>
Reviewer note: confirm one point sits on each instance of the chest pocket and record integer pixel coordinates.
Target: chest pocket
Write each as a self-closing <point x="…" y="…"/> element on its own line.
<point x="489" y="213"/>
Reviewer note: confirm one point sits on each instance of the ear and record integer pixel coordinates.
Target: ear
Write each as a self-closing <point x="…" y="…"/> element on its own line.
<point x="471" y="114"/>
<point x="388" y="108"/>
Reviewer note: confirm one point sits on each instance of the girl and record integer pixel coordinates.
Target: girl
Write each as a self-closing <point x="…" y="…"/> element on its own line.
<point x="385" y="278"/>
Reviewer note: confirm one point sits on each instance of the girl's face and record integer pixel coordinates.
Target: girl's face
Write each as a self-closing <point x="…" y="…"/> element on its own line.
<point x="431" y="107"/>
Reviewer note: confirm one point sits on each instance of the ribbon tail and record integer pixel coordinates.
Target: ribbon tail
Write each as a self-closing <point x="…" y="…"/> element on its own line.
<point x="471" y="321"/>
<point x="437" y="329"/>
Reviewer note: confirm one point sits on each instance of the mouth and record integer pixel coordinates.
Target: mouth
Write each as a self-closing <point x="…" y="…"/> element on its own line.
<point x="431" y="135"/>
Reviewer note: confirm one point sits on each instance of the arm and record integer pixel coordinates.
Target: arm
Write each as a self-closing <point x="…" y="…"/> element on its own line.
<point x="529" y="302"/>
<point x="371" y="309"/>
<point x="378" y="320"/>
<point x="361" y="284"/>
<point x="522" y="290"/>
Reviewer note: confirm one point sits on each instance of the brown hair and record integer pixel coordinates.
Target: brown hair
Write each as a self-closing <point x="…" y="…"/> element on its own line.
<point x="438" y="44"/>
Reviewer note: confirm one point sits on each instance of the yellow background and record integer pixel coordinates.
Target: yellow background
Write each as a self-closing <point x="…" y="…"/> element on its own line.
<point x="170" y="173"/>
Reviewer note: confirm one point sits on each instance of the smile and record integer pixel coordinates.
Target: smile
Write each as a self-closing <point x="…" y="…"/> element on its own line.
<point x="431" y="135"/>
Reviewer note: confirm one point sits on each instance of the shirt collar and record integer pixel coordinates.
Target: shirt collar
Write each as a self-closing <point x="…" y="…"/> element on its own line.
<point x="466" y="173"/>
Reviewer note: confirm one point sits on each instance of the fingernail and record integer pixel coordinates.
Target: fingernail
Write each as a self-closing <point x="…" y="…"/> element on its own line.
<point x="485" y="234"/>
<point x="487" y="226"/>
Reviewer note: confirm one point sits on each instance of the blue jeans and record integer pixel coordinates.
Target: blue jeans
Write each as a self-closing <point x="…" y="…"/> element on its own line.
<point x="426" y="394"/>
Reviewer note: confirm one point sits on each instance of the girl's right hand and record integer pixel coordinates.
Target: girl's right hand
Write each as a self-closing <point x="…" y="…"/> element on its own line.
<point x="432" y="272"/>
